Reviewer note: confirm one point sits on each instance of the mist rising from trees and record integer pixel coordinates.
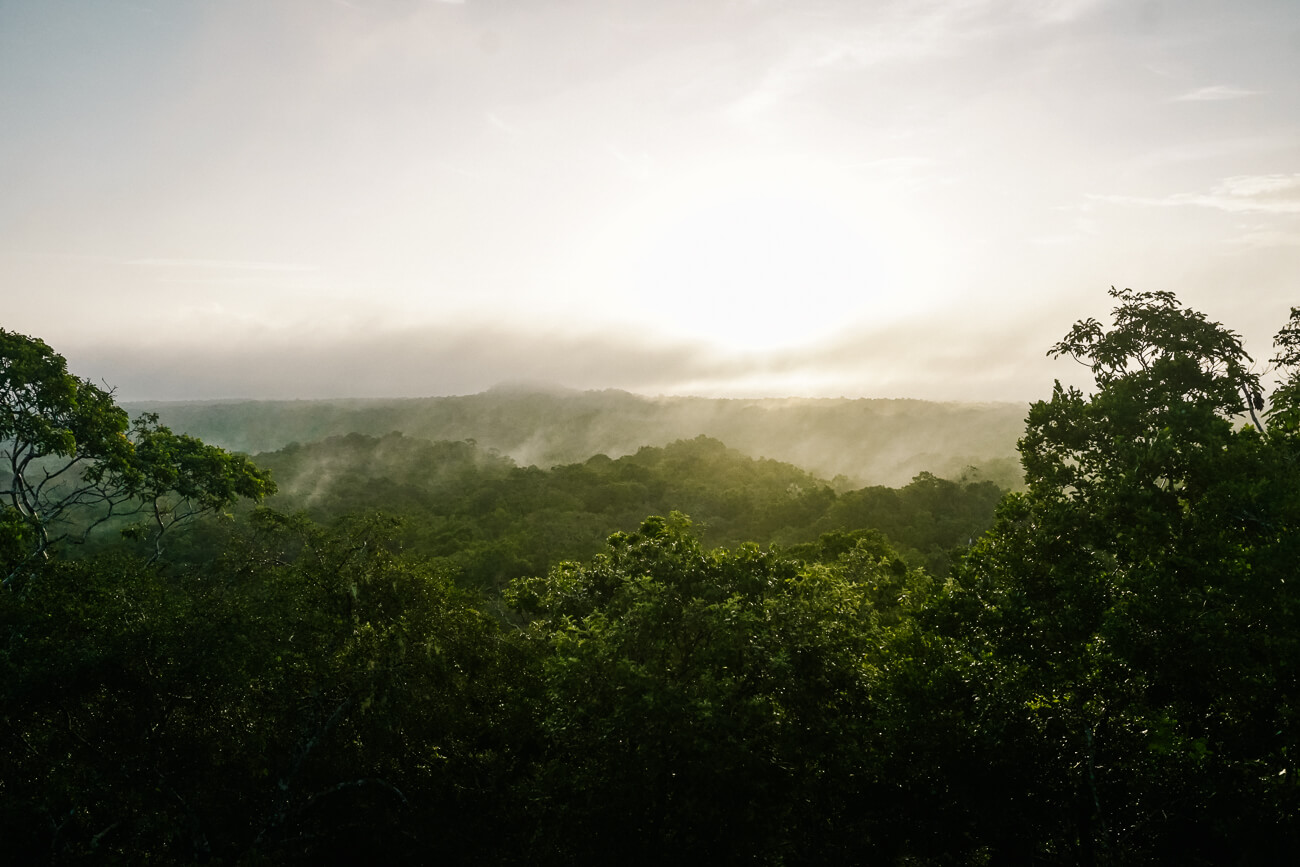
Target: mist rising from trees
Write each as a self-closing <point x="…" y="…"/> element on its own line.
<point x="865" y="442"/>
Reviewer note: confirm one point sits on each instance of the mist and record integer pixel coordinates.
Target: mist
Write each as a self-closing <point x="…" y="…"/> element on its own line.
<point x="853" y="442"/>
<point x="930" y="360"/>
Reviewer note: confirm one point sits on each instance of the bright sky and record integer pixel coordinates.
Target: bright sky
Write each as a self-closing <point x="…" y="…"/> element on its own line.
<point x="306" y="198"/>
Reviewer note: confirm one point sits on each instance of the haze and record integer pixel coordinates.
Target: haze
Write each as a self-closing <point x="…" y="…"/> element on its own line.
<point x="403" y="198"/>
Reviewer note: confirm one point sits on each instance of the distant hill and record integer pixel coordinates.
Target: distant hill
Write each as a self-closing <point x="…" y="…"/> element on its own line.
<point x="860" y="441"/>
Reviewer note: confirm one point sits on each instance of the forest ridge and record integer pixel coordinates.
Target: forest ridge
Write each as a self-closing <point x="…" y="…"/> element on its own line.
<point x="861" y="441"/>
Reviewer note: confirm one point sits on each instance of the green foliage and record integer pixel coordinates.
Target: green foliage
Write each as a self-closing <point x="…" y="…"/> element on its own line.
<point x="1168" y="380"/>
<point x="44" y="410"/>
<point x="495" y="522"/>
<point x="72" y="462"/>
<point x="862" y="441"/>
<point x="1106" y="677"/>
<point x="52" y="424"/>
<point x="1284" y="412"/>
<point x="1130" y="618"/>
<point x="309" y="697"/>
<point x="928" y="519"/>
<point x="706" y="705"/>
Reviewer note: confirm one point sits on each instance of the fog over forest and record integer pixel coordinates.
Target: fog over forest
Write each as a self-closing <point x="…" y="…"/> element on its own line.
<point x="878" y="442"/>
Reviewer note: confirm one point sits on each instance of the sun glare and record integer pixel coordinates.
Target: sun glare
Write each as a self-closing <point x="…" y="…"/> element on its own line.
<point x="749" y="264"/>
<point x="758" y="272"/>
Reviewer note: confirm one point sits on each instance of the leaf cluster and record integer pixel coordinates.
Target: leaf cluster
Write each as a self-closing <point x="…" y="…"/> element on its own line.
<point x="72" y="462"/>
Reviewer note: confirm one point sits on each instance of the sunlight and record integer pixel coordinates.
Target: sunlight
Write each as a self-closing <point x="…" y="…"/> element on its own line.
<point x="758" y="272"/>
<point x="756" y="260"/>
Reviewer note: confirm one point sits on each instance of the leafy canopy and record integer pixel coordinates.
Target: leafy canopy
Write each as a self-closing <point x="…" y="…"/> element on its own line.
<point x="70" y="461"/>
<point x="1131" y="616"/>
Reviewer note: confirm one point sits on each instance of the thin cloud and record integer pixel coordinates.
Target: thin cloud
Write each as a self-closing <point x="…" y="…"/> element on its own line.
<point x="1259" y="237"/>
<point x="1208" y="148"/>
<point x="230" y="264"/>
<point x="1241" y="194"/>
<point x="901" y="32"/>
<point x="496" y="121"/>
<point x="946" y="364"/>
<point x="1064" y="11"/>
<point x="1261" y="185"/>
<point x="1215" y="93"/>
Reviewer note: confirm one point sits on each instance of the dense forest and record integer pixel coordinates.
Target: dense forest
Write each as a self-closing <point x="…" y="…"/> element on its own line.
<point x="862" y="442"/>
<point x="381" y="645"/>
<point x="491" y="521"/>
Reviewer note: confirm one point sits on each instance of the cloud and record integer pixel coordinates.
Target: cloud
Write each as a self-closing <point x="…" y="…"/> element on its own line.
<point x="1205" y="148"/>
<point x="496" y="121"/>
<point x="941" y="357"/>
<point x="1260" y="237"/>
<point x="1215" y="93"/>
<point x="816" y="49"/>
<point x="1261" y="185"/>
<point x="1062" y="11"/>
<point x="225" y="264"/>
<point x="1240" y="194"/>
<point x="256" y="361"/>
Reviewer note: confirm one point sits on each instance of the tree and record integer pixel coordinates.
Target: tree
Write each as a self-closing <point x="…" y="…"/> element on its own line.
<point x="1130" y="618"/>
<point x="72" y="461"/>
<point x="304" y="696"/>
<point x="175" y="478"/>
<point x="1284" y="413"/>
<point x="708" y="705"/>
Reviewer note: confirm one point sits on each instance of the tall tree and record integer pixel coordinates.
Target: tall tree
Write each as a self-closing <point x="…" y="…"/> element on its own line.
<point x="1132" y="609"/>
<point x="70" y="461"/>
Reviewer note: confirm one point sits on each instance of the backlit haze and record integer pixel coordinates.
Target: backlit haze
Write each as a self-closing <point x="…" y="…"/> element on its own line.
<point x="218" y="198"/>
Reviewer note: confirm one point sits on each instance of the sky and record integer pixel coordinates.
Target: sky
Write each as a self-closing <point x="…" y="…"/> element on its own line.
<point x="205" y="199"/>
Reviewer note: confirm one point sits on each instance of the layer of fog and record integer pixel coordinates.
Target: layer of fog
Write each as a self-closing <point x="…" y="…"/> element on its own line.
<point x="851" y="442"/>
<point x="931" y="359"/>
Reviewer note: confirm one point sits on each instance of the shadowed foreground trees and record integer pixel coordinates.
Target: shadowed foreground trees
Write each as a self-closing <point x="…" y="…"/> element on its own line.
<point x="309" y="698"/>
<point x="1129" y="627"/>
<point x="711" y="705"/>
